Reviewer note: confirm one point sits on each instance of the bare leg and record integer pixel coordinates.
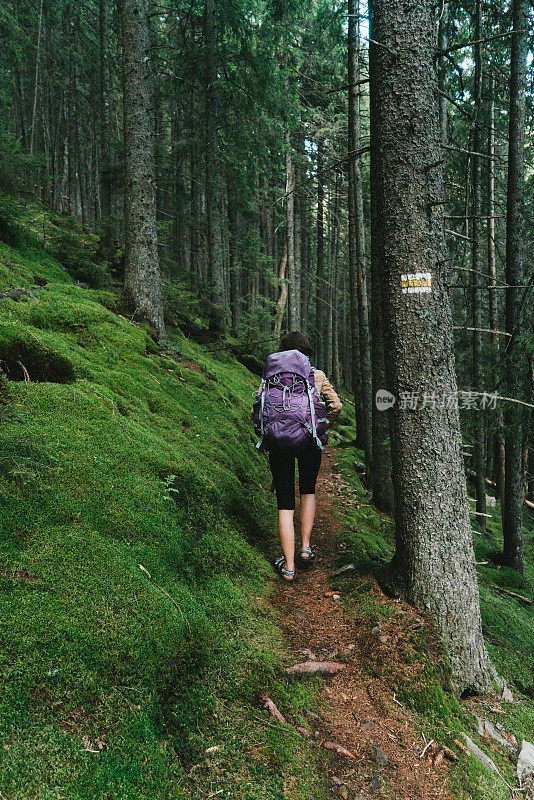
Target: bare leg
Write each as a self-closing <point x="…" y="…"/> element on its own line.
<point x="307" y="517"/>
<point x="287" y="536"/>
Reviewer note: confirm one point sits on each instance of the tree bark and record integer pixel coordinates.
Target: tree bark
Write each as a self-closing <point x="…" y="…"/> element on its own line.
<point x="380" y="479"/>
<point x="142" y="277"/>
<point x="213" y="178"/>
<point x="498" y="438"/>
<point x="513" y="488"/>
<point x="479" y="455"/>
<point x="294" y="299"/>
<point x="233" y="265"/>
<point x="194" y="205"/>
<point x="361" y="346"/>
<point x="319" y="279"/>
<point x="443" y="41"/>
<point x="36" y="82"/>
<point x="105" y="133"/>
<point x="282" y="292"/>
<point x="434" y="561"/>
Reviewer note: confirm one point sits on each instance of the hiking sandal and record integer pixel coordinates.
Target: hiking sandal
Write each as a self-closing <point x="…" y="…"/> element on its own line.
<point x="287" y="575"/>
<point x="305" y="562"/>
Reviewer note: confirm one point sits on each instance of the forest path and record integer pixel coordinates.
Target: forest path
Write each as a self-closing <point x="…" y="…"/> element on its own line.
<point x="356" y="708"/>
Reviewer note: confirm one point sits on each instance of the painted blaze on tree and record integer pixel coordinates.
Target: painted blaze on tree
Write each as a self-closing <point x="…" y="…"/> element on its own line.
<point x="434" y="561"/>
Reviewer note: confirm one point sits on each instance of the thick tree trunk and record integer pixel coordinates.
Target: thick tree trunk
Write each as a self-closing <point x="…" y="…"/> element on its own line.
<point x="479" y="460"/>
<point x="381" y="482"/>
<point x="361" y="347"/>
<point x="434" y="561"/>
<point x="213" y="179"/>
<point x="513" y="489"/>
<point x="142" y="278"/>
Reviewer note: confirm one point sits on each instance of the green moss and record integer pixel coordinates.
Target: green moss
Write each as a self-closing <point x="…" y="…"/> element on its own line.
<point x="135" y="512"/>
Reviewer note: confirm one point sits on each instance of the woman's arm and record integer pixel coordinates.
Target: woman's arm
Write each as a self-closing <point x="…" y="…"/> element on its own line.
<point x="329" y="395"/>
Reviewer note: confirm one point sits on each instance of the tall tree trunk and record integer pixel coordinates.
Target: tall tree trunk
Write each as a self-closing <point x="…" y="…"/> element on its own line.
<point x="381" y="482"/>
<point x="233" y="265"/>
<point x="105" y="133"/>
<point x="443" y="41"/>
<point x="213" y="180"/>
<point x="332" y="262"/>
<point x="195" y="212"/>
<point x="319" y="278"/>
<point x="479" y="459"/>
<point x="36" y="82"/>
<point x="297" y="235"/>
<point x="513" y="489"/>
<point x="282" y="292"/>
<point x="293" y="304"/>
<point x="142" y="277"/>
<point x="305" y="291"/>
<point x="434" y="561"/>
<point x="361" y="356"/>
<point x="498" y="438"/>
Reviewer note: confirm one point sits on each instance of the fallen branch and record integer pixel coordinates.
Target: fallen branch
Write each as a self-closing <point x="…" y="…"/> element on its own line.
<point x="316" y="667"/>
<point x="268" y="704"/>
<point x="425" y="748"/>
<point x="277" y="727"/>
<point x="165" y="592"/>
<point x="339" y="749"/>
<point x="16" y="294"/>
<point x="519" y="597"/>
<point x="492" y="485"/>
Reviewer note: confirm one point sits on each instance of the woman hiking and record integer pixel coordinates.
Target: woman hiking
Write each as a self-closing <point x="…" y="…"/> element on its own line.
<point x="294" y="407"/>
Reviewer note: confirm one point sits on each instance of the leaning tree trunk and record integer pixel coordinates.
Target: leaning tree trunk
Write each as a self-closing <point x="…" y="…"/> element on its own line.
<point x="434" y="561"/>
<point x="513" y="482"/>
<point x="142" y="277"/>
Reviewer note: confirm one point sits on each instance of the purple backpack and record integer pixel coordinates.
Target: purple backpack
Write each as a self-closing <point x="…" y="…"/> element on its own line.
<point x="288" y="412"/>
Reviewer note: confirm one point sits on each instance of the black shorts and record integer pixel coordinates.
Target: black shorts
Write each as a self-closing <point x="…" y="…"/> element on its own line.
<point x="282" y="466"/>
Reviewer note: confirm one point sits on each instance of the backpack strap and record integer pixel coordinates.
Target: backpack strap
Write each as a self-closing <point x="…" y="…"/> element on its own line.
<point x="263" y="428"/>
<point x="312" y="414"/>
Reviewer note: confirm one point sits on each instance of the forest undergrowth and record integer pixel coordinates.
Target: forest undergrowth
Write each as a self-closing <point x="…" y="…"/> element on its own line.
<point x="136" y="527"/>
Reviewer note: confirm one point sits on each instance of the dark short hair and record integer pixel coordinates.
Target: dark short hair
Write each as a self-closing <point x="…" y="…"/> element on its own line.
<point x="296" y="341"/>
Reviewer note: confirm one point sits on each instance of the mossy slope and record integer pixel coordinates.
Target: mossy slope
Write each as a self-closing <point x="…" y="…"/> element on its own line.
<point x="132" y="507"/>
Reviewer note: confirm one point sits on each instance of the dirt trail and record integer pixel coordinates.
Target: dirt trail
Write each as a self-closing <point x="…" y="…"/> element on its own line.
<point x="357" y="710"/>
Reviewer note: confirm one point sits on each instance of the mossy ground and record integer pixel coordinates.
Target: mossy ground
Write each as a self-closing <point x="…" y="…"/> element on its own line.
<point x="134" y="513"/>
<point x="508" y="628"/>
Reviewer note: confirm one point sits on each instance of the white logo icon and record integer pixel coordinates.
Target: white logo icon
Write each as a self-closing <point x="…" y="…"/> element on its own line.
<point x="384" y="400"/>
